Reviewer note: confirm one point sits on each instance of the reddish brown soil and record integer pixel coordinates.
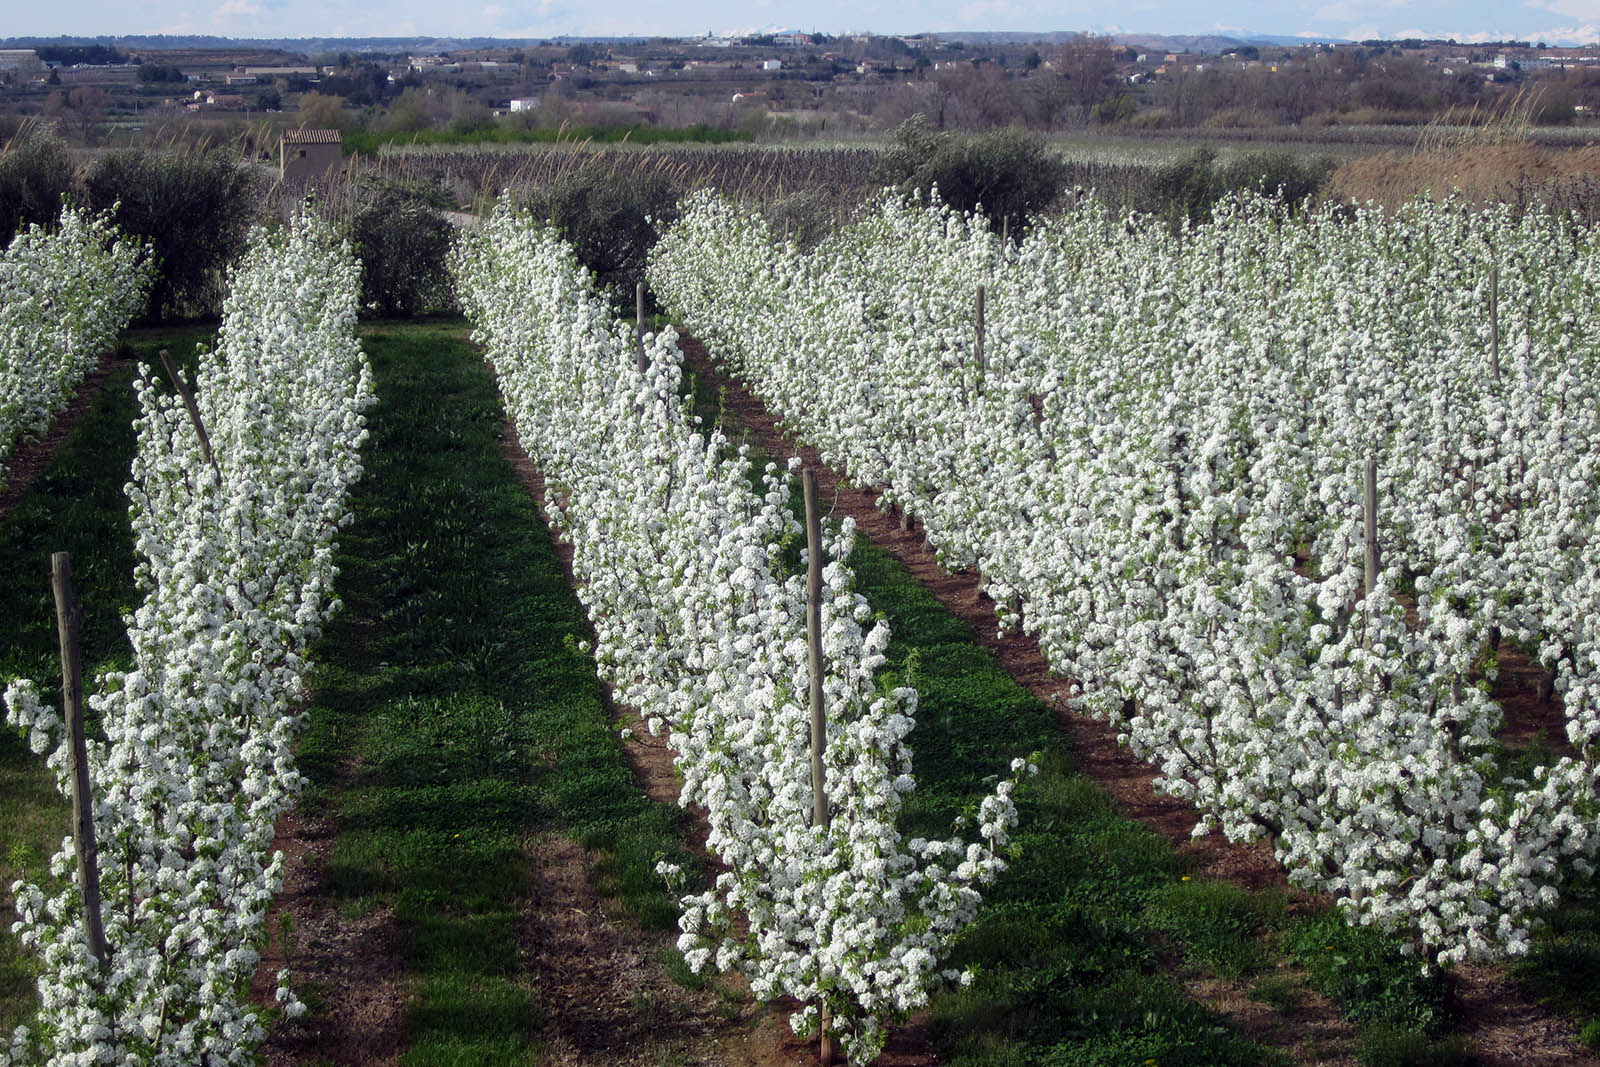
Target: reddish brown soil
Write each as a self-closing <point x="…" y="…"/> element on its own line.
<point x="1500" y="1021"/>
<point x="345" y="965"/>
<point x="1503" y="1025"/>
<point x="605" y="997"/>
<point x="31" y="458"/>
<point x="1526" y="718"/>
<point x="1309" y="1030"/>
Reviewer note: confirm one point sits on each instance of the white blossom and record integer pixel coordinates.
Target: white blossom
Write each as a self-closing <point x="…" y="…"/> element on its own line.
<point x="64" y="296"/>
<point x="701" y="626"/>
<point x="1158" y="469"/>
<point x="197" y="763"/>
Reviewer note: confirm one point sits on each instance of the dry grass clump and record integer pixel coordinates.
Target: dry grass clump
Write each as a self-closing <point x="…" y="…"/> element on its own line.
<point x="1516" y="173"/>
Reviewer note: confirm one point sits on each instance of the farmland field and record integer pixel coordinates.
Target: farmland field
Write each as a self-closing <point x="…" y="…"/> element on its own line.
<point x="1180" y="540"/>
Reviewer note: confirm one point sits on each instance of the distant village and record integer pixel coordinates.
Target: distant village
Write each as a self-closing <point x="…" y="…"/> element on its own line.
<point x="795" y="84"/>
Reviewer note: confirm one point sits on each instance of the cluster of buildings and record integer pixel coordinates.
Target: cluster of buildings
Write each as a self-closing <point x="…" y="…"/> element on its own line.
<point x="683" y="81"/>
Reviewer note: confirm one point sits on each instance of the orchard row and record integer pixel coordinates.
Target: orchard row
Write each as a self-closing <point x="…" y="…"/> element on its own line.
<point x="235" y="505"/>
<point x="1152" y="445"/>
<point x="65" y="294"/>
<point x="683" y="555"/>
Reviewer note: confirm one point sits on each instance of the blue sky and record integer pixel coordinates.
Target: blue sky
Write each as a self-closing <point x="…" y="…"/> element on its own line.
<point x="1555" y="21"/>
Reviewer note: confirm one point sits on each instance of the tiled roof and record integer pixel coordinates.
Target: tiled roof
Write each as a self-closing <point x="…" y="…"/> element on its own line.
<point x="311" y="137"/>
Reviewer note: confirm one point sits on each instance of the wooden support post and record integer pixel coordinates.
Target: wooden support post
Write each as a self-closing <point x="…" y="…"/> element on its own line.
<point x="1494" y="320"/>
<point x="67" y="618"/>
<point x="638" y="326"/>
<point x="1369" y="508"/>
<point x="978" y="337"/>
<point x="193" y="409"/>
<point x="819" y="735"/>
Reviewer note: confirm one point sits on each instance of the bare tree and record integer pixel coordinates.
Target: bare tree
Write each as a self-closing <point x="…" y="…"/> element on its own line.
<point x="981" y="97"/>
<point x="927" y="97"/>
<point x="1087" y="64"/>
<point x="81" y="109"/>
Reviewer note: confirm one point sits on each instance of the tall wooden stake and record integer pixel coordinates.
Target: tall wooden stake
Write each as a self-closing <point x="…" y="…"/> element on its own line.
<point x="638" y="325"/>
<point x="1369" y="507"/>
<point x="1494" y="319"/>
<point x="979" y="339"/>
<point x="819" y="736"/>
<point x="193" y="408"/>
<point x="67" y="616"/>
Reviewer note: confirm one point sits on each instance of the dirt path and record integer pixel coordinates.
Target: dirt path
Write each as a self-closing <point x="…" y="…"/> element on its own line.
<point x="346" y="965"/>
<point x="1504" y="1027"/>
<point x="606" y="997"/>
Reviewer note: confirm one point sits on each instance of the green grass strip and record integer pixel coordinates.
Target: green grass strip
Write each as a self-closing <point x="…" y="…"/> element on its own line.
<point x="454" y="718"/>
<point x="1067" y="946"/>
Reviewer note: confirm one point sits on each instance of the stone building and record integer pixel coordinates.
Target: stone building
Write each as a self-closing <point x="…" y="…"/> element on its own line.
<point x="310" y="154"/>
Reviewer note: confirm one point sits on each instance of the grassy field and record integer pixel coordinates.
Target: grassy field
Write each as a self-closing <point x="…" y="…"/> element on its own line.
<point x="454" y="719"/>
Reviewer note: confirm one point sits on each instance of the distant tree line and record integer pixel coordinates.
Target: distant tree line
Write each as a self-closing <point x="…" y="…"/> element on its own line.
<point x="97" y="55"/>
<point x="159" y="73"/>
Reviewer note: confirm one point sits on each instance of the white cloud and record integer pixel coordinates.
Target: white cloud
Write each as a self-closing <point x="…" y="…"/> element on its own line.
<point x="1582" y="10"/>
<point x="1587" y="33"/>
<point x="239" y="7"/>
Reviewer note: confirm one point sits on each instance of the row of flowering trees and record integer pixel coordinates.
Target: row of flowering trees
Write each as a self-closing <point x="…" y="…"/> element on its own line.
<point x="234" y="526"/>
<point x="1155" y="455"/>
<point x="65" y="293"/>
<point x="683" y="556"/>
